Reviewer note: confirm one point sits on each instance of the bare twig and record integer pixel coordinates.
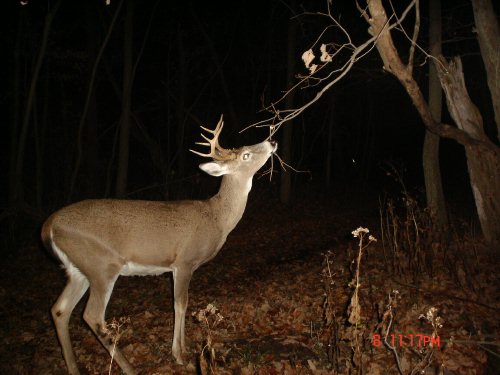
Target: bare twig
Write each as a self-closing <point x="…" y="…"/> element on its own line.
<point x="390" y="316"/>
<point x="281" y="116"/>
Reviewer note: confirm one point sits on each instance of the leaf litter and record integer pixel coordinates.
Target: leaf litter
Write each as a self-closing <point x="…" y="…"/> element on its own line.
<point x="268" y="285"/>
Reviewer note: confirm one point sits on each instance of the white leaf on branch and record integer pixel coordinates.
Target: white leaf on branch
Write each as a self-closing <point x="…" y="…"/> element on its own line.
<point x="325" y="56"/>
<point x="308" y="57"/>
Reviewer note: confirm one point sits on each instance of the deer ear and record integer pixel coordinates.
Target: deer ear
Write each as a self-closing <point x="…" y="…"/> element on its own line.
<point x="214" y="169"/>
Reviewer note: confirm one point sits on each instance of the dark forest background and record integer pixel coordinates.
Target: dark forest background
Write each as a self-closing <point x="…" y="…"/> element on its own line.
<point x="168" y="67"/>
<point x="104" y="99"/>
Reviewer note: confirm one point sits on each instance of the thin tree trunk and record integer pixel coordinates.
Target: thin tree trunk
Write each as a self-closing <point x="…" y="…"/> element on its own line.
<point x="129" y="73"/>
<point x="219" y="70"/>
<point x="432" y="171"/>
<point x="329" y="142"/>
<point x="15" y="108"/>
<point x="83" y="118"/>
<point x="125" y="121"/>
<point x="181" y="114"/>
<point x="364" y="164"/>
<point x="488" y="33"/>
<point x="286" y="140"/>
<point x="17" y="194"/>
<point x="92" y="167"/>
<point x="37" y="132"/>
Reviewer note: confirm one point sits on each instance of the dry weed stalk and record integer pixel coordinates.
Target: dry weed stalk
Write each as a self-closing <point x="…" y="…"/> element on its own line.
<point x="426" y="353"/>
<point x="411" y="236"/>
<point x="415" y="246"/>
<point x="354" y="308"/>
<point x="209" y="318"/>
<point x="331" y="325"/>
<point x="353" y="332"/>
<point x="114" y="330"/>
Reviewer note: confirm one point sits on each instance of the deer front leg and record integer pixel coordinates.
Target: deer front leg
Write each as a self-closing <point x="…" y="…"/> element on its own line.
<point x="182" y="278"/>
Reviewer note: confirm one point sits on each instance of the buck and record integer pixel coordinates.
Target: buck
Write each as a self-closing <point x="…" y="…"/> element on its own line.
<point x="99" y="240"/>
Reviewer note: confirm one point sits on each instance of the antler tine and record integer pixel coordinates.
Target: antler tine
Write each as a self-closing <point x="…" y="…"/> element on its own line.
<point x="216" y="132"/>
<point x="217" y="152"/>
<point x="205" y="138"/>
<point x="202" y="143"/>
<point x="200" y="153"/>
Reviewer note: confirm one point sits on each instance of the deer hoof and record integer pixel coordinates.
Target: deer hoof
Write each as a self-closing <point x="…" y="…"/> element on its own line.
<point x="178" y="360"/>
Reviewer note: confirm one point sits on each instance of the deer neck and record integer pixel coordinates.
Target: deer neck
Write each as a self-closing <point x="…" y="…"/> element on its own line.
<point x="229" y="203"/>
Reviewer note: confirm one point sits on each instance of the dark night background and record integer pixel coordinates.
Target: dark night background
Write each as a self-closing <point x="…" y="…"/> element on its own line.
<point x="195" y="61"/>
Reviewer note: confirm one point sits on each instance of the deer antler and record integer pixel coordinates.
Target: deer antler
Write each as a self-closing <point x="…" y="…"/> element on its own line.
<point x="217" y="152"/>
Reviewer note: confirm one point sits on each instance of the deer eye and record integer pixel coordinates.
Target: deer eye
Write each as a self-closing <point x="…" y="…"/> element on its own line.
<point x="246" y="156"/>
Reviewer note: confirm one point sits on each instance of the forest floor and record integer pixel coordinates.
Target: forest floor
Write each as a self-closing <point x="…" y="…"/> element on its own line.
<point x="269" y="283"/>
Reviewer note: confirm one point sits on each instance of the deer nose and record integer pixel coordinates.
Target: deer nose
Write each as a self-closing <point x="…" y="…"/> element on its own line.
<point x="274" y="144"/>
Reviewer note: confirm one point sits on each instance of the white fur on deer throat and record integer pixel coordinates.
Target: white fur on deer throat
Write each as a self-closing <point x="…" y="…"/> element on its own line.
<point x="248" y="186"/>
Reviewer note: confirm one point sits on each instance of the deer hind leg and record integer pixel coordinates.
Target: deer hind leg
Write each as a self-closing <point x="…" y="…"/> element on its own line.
<point x="100" y="292"/>
<point x="181" y="285"/>
<point x="61" y="312"/>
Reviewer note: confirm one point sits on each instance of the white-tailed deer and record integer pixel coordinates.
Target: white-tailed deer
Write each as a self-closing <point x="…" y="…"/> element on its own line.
<point x="99" y="240"/>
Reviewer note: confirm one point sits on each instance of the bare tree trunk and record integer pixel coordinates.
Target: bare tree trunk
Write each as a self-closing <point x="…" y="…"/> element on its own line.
<point x="220" y="72"/>
<point x="38" y="132"/>
<point x="16" y="195"/>
<point x="182" y="76"/>
<point x="365" y="162"/>
<point x="15" y="106"/>
<point x="432" y="171"/>
<point x="286" y="140"/>
<point x="92" y="167"/>
<point x="329" y="142"/>
<point x="488" y="33"/>
<point x="483" y="165"/>
<point x="126" y="119"/>
<point x="485" y="170"/>
<point x="83" y="118"/>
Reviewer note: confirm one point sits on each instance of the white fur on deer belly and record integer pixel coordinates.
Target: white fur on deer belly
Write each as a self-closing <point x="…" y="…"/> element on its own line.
<point x="137" y="269"/>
